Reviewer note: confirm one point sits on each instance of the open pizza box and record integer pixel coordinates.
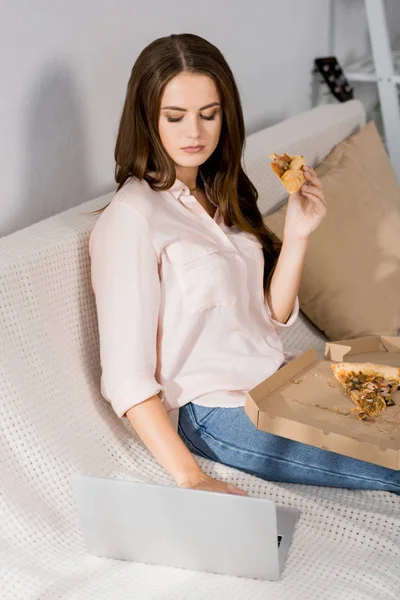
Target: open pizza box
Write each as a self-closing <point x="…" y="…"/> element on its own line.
<point x="303" y="401"/>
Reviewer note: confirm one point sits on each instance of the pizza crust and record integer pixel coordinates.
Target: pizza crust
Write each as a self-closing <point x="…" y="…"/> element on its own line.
<point x="386" y="371"/>
<point x="289" y="169"/>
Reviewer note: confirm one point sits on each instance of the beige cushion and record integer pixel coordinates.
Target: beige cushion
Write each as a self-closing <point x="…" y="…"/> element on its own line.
<point x="350" y="284"/>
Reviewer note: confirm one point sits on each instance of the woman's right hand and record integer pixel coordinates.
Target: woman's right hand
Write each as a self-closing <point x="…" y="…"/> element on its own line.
<point x="204" y="482"/>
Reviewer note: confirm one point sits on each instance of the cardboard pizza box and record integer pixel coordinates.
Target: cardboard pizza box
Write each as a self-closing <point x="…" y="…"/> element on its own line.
<point x="303" y="401"/>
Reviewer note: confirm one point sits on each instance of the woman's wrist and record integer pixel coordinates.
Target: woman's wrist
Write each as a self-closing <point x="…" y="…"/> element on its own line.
<point x="190" y="478"/>
<point x="292" y="239"/>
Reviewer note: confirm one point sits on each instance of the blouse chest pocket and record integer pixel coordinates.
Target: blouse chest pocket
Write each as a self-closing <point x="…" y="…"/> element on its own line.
<point x="204" y="274"/>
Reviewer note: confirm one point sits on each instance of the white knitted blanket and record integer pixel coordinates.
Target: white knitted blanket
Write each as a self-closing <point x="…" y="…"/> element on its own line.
<point x="54" y="423"/>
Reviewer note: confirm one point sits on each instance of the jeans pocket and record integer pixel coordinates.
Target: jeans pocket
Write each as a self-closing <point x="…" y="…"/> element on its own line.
<point x="202" y="414"/>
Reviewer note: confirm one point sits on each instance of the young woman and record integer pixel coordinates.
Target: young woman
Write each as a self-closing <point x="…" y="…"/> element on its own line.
<point x="191" y="287"/>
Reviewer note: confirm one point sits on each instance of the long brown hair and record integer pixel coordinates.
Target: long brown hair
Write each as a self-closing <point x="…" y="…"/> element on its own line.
<point x="139" y="152"/>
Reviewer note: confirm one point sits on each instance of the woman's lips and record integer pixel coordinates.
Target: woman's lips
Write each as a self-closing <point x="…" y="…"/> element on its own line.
<point x="193" y="149"/>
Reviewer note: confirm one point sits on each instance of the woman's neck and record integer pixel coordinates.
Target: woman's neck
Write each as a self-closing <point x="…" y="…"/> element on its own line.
<point x="188" y="176"/>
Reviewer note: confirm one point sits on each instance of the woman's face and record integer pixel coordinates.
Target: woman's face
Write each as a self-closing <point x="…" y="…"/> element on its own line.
<point x="190" y="116"/>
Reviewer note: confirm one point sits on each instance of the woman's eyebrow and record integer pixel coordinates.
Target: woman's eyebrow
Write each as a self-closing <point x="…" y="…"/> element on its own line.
<point x="184" y="109"/>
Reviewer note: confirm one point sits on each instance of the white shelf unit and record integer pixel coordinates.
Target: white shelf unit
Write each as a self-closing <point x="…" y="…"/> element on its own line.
<point x="364" y="69"/>
<point x="383" y="68"/>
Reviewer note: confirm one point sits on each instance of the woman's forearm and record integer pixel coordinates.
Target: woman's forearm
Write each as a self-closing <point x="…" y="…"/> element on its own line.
<point x="152" y="424"/>
<point x="285" y="282"/>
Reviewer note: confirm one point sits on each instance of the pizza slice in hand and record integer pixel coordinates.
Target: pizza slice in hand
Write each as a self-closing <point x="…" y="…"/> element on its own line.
<point x="370" y="386"/>
<point x="289" y="170"/>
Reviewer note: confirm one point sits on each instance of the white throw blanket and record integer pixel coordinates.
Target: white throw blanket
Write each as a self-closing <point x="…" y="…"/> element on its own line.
<point x="345" y="546"/>
<point x="54" y="423"/>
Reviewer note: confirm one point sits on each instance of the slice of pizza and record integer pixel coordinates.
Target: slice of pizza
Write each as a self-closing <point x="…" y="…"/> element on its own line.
<point x="289" y="170"/>
<point x="369" y="385"/>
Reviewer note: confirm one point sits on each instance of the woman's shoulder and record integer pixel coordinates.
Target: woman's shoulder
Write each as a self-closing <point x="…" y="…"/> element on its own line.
<point x="130" y="209"/>
<point x="138" y="195"/>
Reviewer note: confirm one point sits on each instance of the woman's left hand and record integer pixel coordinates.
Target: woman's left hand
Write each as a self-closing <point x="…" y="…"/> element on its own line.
<point x="306" y="208"/>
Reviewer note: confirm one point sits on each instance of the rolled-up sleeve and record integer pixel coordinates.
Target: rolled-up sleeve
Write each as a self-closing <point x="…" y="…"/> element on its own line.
<point x="293" y="315"/>
<point x="126" y="284"/>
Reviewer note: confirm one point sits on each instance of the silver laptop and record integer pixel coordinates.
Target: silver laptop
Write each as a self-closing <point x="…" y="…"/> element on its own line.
<point x="185" y="528"/>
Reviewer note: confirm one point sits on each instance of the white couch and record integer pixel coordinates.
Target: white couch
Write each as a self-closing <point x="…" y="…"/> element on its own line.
<point x="55" y="423"/>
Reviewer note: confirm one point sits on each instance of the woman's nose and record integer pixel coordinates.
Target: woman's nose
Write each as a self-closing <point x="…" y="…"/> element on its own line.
<point x="193" y="130"/>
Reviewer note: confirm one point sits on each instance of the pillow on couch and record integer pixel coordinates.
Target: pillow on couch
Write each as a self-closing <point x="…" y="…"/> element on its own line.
<point x="350" y="285"/>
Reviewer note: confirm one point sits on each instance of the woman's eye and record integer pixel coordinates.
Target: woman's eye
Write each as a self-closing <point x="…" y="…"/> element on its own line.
<point x="177" y="119"/>
<point x="172" y="120"/>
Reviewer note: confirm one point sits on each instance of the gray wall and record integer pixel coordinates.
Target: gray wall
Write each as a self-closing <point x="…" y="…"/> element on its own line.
<point x="64" y="68"/>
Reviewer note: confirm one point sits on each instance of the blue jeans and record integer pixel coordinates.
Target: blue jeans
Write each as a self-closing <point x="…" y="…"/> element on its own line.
<point x="226" y="435"/>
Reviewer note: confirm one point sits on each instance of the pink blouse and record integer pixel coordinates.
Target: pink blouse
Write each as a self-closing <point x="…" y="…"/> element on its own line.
<point x="180" y="303"/>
